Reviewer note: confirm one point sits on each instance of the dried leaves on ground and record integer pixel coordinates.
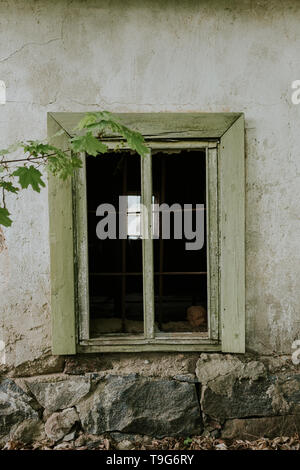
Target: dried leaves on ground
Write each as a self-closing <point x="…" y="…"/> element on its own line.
<point x="168" y="443"/>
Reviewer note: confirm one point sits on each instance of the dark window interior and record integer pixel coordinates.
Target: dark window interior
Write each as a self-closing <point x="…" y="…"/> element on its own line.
<point x="115" y="266"/>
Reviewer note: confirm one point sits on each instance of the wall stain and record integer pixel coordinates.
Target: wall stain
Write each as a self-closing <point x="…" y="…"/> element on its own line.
<point x="2" y="241"/>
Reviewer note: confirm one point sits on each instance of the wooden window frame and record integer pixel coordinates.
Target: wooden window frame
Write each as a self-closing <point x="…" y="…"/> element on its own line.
<point x="222" y="137"/>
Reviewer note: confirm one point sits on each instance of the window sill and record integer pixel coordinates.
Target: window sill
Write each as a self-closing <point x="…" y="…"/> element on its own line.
<point x="162" y="342"/>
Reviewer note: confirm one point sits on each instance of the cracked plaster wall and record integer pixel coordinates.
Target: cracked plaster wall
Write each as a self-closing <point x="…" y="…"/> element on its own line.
<point x="151" y="56"/>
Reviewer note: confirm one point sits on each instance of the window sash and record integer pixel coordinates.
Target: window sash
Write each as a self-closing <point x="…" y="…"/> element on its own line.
<point x="212" y="240"/>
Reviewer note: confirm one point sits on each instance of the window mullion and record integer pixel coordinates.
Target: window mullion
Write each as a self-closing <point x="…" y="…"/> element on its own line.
<point x="148" y="277"/>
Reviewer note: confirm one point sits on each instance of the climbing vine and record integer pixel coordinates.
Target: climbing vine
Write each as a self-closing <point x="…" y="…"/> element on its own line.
<point x="24" y="172"/>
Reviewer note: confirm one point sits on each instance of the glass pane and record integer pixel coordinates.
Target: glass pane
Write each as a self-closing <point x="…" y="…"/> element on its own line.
<point x="180" y="264"/>
<point x="115" y="264"/>
<point x="133" y="203"/>
<point x="133" y="225"/>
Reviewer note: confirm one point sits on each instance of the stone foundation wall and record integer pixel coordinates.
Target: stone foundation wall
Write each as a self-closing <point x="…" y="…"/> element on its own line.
<point x="171" y="395"/>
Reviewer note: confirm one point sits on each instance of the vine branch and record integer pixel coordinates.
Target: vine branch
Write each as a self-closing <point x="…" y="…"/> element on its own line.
<point x="61" y="163"/>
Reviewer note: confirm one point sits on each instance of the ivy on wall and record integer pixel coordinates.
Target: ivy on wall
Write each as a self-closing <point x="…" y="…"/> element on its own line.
<point x="24" y="172"/>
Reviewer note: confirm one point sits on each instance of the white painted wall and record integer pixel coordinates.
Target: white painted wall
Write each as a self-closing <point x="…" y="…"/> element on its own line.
<point x="153" y="56"/>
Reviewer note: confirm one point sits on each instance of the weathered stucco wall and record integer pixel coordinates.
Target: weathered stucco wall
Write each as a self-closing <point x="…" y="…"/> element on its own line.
<point x="151" y="56"/>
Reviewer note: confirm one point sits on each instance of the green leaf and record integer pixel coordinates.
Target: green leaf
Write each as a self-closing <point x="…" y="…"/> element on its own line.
<point x="8" y="186"/>
<point x="37" y="148"/>
<point x="187" y="441"/>
<point x="105" y="121"/>
<point x="89" y="144"/>
<point x="29" y="176"/>
<point x="135" y="141"/>
<point x="89" y="118"/>
<point x="4" y="217"/>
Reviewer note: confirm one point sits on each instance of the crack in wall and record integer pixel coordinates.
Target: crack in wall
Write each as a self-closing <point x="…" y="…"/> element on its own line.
<point x="4" y="59"/>
<point x="34" y="103"/>
<point x="39" y="44"/>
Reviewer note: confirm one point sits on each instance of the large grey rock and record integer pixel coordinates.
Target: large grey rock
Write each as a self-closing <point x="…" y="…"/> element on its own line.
<point x="245" y="399"/>
<point x="60" y="394"/>
<point x="233" y="388"/>
<point x="15" y="407"/>
<point x="142" y="406"/>
<point x="60" y="424"/>
<point x="240" y="387"/>
<point x="29" y="431"/>
<point x="220" y="372"/>
<point x="254" y="428"/>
